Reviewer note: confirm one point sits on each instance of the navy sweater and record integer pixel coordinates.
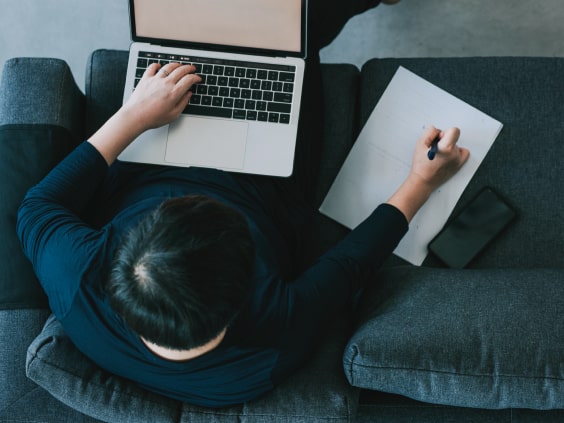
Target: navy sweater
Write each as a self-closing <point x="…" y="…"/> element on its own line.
<point x="71" y="224"/>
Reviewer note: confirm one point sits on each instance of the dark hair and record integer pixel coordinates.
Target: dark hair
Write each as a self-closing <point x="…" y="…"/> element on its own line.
<point x="182" y="275"/>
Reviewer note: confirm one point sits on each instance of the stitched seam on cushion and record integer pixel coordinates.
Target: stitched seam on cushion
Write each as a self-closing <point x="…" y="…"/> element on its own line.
<point x="456" y="373"/>
<point x="7" y="406"/>
<point x="352" y="364"/>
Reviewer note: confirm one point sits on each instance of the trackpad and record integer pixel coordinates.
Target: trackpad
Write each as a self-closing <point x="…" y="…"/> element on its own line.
<point x="207" y="142"/>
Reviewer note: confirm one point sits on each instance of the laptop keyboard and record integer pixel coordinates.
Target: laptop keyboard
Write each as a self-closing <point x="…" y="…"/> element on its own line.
<point x="234" y="89"/>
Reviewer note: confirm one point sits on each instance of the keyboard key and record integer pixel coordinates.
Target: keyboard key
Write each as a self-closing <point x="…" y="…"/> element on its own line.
<point x="277" y="86"/>
<point x="235" y="93"/>
<point x="213" y="90"/>
<point x="273" y="117"/>
<point x="251" y="73"/>
<point x="224" y="92"/>
<point x="245" y="93"/>
<point x="209" y="111"/>
<point x="273" y="76"/>
<point x="286" y="77"/>
<point x="239" y="114"/>
<point x="250" y="105"/>
<point x="239" y="104"/>
<point x="257" y="95"/>
<point x="217" y="102"/>
<point x="234" y="82"/>
<point x="263" y="116"/>
<point x="244" y="83"/>
<point x="261" y="105"/>
<point x="229" y="71"/>
<point x="218" y="70"/>
<point x="142" y="63"/>
<point x="240" y="72"/>
<point x="262" y="74"/>
<point x="288" y="88"/>
<point x="251" y="115"/>
<point x="283" y="97"/>
<point x="228" y="102"/>
<point x="268" y="96"/>
<point x="279" y="107"/>
<point x="207" y="69"/>
<point x="195" y="99"/>
<point x="223" y="81"/>
<point x="266" y="85"/>
<point x="284" y="118"/>
<point x="255" y="84"/>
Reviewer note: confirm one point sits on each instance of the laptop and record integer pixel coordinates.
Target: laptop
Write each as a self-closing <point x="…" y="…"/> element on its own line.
<point x="243" y="117"/>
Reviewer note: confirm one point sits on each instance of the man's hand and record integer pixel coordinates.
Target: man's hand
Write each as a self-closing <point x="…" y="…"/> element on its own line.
<point x="448" y="160"/>
<point x="427" y="175"/>
<point x="162" y="94"/>
<point x="160" y="97"/>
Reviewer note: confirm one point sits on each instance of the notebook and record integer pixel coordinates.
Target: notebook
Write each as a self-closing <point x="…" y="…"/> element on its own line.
<point x="243" y="117"/>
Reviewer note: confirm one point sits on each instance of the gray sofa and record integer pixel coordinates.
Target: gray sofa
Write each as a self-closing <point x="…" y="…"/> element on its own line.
<point x="424" y="344"/>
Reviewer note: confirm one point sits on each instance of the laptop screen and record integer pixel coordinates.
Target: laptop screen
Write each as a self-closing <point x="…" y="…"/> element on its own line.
<point x="257" y="24"/>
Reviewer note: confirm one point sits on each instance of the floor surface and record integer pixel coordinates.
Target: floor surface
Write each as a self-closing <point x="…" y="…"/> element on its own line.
<point x="71" y="29"/>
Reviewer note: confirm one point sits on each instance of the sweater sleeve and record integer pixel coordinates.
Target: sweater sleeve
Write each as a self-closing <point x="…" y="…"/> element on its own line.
<point x="332" y="282"/>
<point x="55" y="239"/>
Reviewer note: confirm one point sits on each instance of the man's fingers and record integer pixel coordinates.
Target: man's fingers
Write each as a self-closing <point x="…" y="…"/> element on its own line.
<point x="449" y="137"/>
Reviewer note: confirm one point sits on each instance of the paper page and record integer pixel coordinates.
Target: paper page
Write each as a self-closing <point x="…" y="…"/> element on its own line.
<point x="380" y="159"/>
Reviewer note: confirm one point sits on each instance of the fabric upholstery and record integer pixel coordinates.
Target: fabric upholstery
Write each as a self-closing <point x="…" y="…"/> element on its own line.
<point x="21" y="400"/>
<point x="27" y="153"/>
<point x="51" y="99"/>
<point x="524" y="164"/>
<point x="317" y="393"/>
<point x="485" y="338"/>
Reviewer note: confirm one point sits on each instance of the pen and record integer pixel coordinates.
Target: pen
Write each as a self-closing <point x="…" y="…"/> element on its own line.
<point x="434" y="148"/>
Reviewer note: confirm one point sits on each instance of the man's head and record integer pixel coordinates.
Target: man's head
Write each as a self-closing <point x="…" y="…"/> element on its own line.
<point x="182" y="275"/>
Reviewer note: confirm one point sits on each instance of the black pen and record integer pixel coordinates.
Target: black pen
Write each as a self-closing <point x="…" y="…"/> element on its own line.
<point x="434" y="148"/>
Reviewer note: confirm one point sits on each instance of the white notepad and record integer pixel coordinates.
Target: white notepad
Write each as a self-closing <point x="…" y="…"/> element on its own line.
<point x="380" y="159"/>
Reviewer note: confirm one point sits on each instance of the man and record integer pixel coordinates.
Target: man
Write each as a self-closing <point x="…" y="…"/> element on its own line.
<point x="188" y="281"/>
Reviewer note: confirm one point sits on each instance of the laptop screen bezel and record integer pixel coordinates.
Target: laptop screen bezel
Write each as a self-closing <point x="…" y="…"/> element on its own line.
<point x="220" y="47"/>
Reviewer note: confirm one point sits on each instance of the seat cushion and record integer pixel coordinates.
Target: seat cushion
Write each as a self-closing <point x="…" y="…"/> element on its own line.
<point x="470" y="338"/>
<point x="319" y="392"/>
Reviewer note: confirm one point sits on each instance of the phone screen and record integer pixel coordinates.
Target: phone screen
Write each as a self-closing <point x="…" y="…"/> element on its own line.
<point x="471" y="230"/>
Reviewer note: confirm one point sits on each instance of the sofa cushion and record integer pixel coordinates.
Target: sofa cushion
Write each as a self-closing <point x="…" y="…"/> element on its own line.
<point x="472" y="338"/>
<point x="319" y="392"/>
<point x="27" y="153"/>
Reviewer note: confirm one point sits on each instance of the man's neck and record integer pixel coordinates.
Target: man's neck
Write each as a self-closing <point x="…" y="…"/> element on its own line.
<point x="183" y="355"/>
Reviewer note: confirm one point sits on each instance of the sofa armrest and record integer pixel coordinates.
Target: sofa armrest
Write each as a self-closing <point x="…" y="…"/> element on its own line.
<point x="41" y="91"/>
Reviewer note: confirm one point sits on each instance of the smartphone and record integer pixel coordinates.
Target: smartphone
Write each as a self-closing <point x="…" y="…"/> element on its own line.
<point x="468" y="233"/>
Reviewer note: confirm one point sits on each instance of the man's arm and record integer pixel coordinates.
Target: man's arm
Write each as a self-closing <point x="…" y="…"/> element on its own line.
<point x="162" y="94"/>
<point x="335" y="279"/>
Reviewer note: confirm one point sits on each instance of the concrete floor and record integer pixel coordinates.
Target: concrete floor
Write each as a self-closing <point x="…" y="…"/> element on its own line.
<point x="71" y="29"/>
